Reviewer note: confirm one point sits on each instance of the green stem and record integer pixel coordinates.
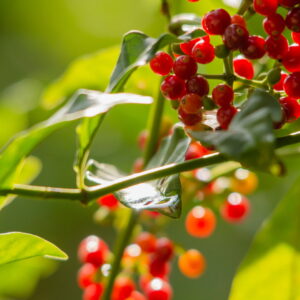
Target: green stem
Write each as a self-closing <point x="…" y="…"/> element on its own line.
<point x="253" y="83"/>
<point x="229" y="70"/>
<point x="122" y="242"/>
<point x="215" y="76"/>
<point x="245" y="5"/>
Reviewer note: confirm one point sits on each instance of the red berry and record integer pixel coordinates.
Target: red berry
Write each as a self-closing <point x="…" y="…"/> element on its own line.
<point x="200" y="222"/>
<point x="243" y="67"/>
<point x="274" y="24"/>
<point x="123" y="287"/>
<point x="239" y="20"/>
<point x="276" y="46"/>
<point x="235" y="208"/>
<point x="185" y="67"/>
<point x="196" y="150"/>
<point x="291" y="60"/>
<point x="192" y="263"/>
<point x="164" y="249"/>
<point x="279" y="85"/>
<point x="92" y="250"/>
<point x="291" y="109"/>
<point x="147" y="242"/>
<point x="296" y="37"/>
<point x="292" y="20"/>
<point x="189" y="119"/>
<point x="158" y="289"/>
<point x="254" y="48"/>
<point x="173" y="87"/>
<point x="216" y="21"/>
<point x="93" y="292"/>
<point x="225" y="115"/>
<point x="265" y="7"/>
<point x="85" y="275"/>
<point x="291" y="85"/>
<point x="158" y="268"/>
<point x="161" y="63"/>
<point x="223" y="95"/>
<point x="203" y="52"/>
<point x="109" y="201"/>
<point x="187" y="47"/>
<point x="235" y="36"/>
<point x="191" y="103"/>
<point x="197" y="85"/>
<point x="135" y="295"/>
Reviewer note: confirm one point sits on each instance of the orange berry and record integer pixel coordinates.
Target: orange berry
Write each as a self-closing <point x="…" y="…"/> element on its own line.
<point x="200" y="222"/>
<point x="244" y="182"/>
<point x="192" y="263"/>
<point x="147" y="242"/>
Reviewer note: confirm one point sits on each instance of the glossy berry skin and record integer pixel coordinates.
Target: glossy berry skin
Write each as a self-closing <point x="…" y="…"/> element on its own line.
<point x="158" y="289"/>
<point x="225" y="115"/>
<point x="161" y="63"/>
<point x="147" y="242"/>
<point x="291" y="109"/>
<point x="235" y="208"/>
<point x="235" y="36"/>
<point x="187" y="47"/>
<point x="296" y="37"/>
<point x="279" y="85"/>
<point x="265" y="7"/>
<point x="123" y="287"/>
<point x="291" y="60"/>
<point x="135" y="295"/>
<point x="291" y="85"/>
<point x="274" y="24"/>
<point x="203" y="52"/>
<point x="158" y="268"/>
<point x="254" y="48"/>
<point x="292" y="19"/>
<point x="243" y="67"/>
<point x="200" y="222"/>
<point x="189" y="119"/>
<point x="93" y="292"/>
<point x="216" y="21"/>
<point x="223" y="95"/>
<point x="173" y="87"/>
<point x="276" y="46"/>
<point x="185" y="67"/>
<point x="85" y="275"/>
<point x="109" y="201"/>
<point x="197" y="85"/>
<point x="191" y="103"/>
<point x="196" y="150"/>
<point x="93" y="250"/>
<point x="164" y="249"/>
<point x="239" y="20"/>
<point x="192" y="263"/>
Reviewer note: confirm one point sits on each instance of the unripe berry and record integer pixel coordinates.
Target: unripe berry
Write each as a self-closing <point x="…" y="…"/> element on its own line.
<point x="235" y="36"/>
<point x="192" y="263"/>
<point x="216" y="21"/>
<point x="197" y="85"/>
<point x="243" y="67"/>
<point x="254" y="48"/>
<point x="223" y="95"/>
<point x="203" y="52"/>
<point x="173" y="87"/>
<point x="292" y="20"/>
<point x="274" y="24"/>
<point x="225" y="115"/>
<point x="161" y="63"/>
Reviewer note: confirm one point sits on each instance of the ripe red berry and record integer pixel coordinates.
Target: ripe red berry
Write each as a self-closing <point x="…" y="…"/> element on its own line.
<point x="173" y="87"/>
<point x="291" y="60"/>
<point x="92" y="250"/>
<point x="197" y="85"/>
<point x="274" y="24"/>
<point x="158" y="289"/>
<point x="265" y="7"/>
<point x="93" y="292"/>
<point x="161" y="63"/>
<point x="123" y="287"/>
<point x="291" y="108"/>
<point x="200" y="222"/>
<point x="292" y="20"/>
<point x="158" y="268"/>
<point x="239" y="20"/>
<point x="216" y="21"/>
<point x="276" y="46"/>
<point x="109" y="201"/>
<point x="135" y="295"/>
<point x="85" y="275"/>
<point x="164" y="249"/>
<point x="223" y="95"/>
<point x="235" y="36"/>
<point x="192" y="263"/>
<point x="225" y="115"/>
<point x="243" y="67"/>
<point x="185" y="67"/>
<point x="296" y="37"/>
<point x="196" y="150"/>
<point x="191" y="103"/>
<point x="187" y="47"/>
<point x="147" y="242"/>
<point x="254" y="48"/>
<point x="235" y="208"/>
<point x="189" y="119"/>
<point x="279" y="85"/>
<point x="203" y="52"/>
<point x="291" y="85"/>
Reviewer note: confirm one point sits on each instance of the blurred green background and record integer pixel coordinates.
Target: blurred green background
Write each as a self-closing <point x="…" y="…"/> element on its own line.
<point x="39" y="39"/>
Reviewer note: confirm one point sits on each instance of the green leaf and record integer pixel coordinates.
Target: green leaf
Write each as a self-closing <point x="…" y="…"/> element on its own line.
<point x="250" y="137"/>
<point x="15" y="246"/>
<point x="271" y="269"/>
<point x="163" y="195"/>
<point x="84" y="104"/>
